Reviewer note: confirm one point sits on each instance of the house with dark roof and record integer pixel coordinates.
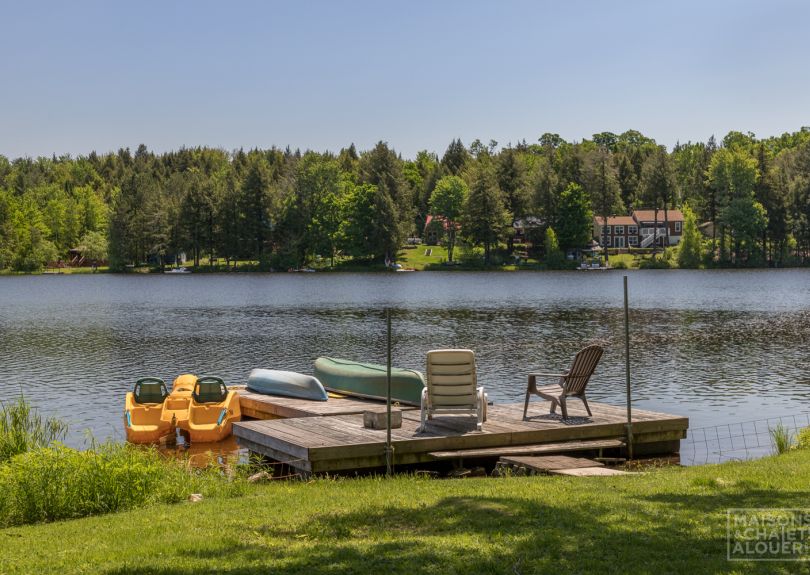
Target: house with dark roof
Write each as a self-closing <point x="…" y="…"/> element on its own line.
<point x="638" y="230"/>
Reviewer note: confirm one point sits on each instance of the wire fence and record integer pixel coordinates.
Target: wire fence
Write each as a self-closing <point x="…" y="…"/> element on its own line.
<point x="738" y="441"/>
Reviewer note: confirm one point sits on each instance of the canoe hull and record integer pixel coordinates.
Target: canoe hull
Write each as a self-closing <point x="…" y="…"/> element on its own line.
<point x="287" y="384"/>
<point x="369" y="380"/>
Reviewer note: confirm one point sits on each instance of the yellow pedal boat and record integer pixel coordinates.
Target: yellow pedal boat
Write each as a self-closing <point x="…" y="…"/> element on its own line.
<point x="143" y="415"/>
<point x="175" y="408"/>
<point x="212" y="411"/>
<point x="201" y="406"/>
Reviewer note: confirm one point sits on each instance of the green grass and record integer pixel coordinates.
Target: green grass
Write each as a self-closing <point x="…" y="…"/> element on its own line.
<point x="64" y="271"/>
<point x="414" y="257"/>
<point x="781" y="438"/>
<point x="666" y="521"/>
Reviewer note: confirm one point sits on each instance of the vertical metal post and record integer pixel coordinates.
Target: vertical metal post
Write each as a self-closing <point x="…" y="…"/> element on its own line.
<point x="627" y="372"/>
<point x="389" y="463"/>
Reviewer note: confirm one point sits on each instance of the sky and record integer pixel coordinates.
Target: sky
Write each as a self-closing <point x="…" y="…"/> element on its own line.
<point x="87" y="75"/>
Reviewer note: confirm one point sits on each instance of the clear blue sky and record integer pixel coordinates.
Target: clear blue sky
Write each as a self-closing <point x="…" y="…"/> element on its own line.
<point x="98" y="75"/>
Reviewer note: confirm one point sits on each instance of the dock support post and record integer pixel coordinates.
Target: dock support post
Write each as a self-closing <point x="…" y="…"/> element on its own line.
<point x="389" y="455"/>
<point x="627" y="372"/>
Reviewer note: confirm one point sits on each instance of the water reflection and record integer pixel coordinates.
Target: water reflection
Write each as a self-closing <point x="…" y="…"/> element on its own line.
<point x="724" y="346"/>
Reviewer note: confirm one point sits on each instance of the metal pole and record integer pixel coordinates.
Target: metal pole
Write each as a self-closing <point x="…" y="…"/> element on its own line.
<point x="627" y="372"/>
<point x="389" y="464"/>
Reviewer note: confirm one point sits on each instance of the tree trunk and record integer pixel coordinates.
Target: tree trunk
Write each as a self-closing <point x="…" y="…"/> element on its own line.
<point x="655" y="231"/>
<point x="605" y="235"/>
<point x="765" y="254"/>
<point x="211" y="240"/>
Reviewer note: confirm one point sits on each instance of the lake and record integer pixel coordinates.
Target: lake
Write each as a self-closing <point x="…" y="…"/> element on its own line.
<point x="720" y="347"/>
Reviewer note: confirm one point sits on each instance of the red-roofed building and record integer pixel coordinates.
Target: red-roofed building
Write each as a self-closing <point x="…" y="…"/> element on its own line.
<point x="639" y="229"/>
<point x="435" y="229"/>
<point x="622" y="232"/>
<point x="646" y="226"/>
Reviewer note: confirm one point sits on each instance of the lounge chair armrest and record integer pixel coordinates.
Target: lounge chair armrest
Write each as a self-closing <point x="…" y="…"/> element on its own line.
<point x="549" y="374"/>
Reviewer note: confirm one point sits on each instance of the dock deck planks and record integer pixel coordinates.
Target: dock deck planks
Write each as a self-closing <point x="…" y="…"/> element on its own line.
<point x="261" y="406"/>
<point x="547" y="463"/>
<point x="322" y="437"/>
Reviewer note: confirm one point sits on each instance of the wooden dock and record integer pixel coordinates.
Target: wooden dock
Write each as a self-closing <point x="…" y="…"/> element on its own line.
<point x="319" y="437"/>
<point x="258" y="406"/>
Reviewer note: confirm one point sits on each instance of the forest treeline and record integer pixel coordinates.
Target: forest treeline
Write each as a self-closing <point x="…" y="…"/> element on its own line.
<point x="284" y="208"/>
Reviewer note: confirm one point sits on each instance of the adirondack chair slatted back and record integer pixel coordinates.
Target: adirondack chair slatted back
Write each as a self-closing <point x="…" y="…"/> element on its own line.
<point x="451" y="378"/>
<point x="582" y="368"/>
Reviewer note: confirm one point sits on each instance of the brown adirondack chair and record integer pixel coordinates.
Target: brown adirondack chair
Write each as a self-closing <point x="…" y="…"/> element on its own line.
<point x="572" y="382"/>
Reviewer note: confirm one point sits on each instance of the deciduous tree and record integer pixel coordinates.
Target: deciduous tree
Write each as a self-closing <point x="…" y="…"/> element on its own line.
<point x="447" y="201"/>
<point x="574" y="218"/>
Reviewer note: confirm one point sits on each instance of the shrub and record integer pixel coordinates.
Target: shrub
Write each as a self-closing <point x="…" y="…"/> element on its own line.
<point x="654" y="264"/>
<point x="42" y="480"/>
<point x="53" y="483"/>
<point x="555" y="258"/>
<point x="803" y="439"/>
<point x="691" y="252"/>
<point x="22" y="428"/>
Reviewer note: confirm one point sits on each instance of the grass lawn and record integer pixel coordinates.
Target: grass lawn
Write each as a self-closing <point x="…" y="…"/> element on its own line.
<point x="666" y="521"/>
<point x="414" y="256"/>
<point x="64" y="271"/>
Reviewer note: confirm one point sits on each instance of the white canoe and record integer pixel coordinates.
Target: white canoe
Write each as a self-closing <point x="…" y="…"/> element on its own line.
<point x="287" y="384"/>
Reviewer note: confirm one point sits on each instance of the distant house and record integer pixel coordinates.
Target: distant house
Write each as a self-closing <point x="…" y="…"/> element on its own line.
<point x="523" y="228"/>
<point x="435" y="229"/>
<point x="639" y="229"/>
<point x="646" y="224"/>
<point x="622" y="232"/>
<point x="707" y="229"/>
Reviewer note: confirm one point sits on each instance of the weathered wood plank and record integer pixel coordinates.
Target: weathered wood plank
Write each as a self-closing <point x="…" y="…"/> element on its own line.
<point x="530" y="449"/>
<point x="260" y="404"/>
<point x="257" y="436"/>
<point x="549" y="462"/>
<point x="279" y="456"/>
<point x="588" y="471"/>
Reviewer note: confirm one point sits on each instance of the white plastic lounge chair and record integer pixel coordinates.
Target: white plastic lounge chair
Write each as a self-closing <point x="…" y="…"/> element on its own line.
<point x="571" y="383"/>
<point x="452" y="386"/>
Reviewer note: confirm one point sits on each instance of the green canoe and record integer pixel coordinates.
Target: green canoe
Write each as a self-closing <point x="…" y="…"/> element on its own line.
<point x="369" y="380"/>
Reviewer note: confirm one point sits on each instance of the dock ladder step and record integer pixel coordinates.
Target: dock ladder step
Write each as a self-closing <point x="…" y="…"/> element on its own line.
<point x="535" y="449"/>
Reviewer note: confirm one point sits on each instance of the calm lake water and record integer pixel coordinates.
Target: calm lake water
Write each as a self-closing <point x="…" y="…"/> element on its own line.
<point x="720" y="347"/>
